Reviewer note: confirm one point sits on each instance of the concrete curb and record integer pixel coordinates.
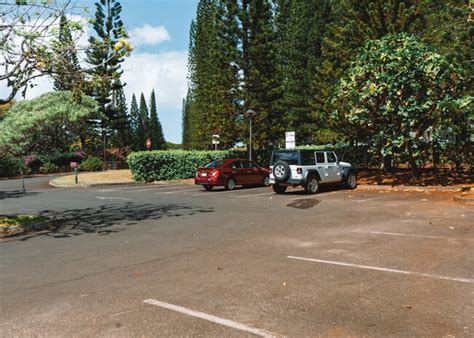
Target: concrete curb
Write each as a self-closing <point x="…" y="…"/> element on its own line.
<point x="178" y="182"/>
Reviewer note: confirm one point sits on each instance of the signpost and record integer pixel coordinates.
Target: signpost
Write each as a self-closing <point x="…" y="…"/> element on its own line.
<point x="215" y="140"/>
<point x="290" y="140"/>
<point x="74" y="166"/>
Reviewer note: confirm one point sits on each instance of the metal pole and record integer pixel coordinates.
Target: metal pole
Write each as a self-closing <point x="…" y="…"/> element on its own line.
<point x="250" y="150"/>
<point x="23" y="182"/>
<point x="75" y="176"/>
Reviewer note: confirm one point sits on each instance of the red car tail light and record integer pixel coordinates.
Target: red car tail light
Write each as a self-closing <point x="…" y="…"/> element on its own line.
<point x="299" y="170"/>
<point x="215" y="173"/>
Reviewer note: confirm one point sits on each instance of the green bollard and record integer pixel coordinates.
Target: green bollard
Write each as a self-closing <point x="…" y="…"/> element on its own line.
<point x="76" y="173"/>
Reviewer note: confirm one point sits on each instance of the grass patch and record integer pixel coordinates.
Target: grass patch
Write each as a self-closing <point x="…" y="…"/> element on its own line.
<point x="21" y="221"/>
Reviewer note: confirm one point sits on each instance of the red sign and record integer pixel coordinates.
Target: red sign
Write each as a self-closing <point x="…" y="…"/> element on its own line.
<point x="148" y="143"/>
<point x="73" y="164"/>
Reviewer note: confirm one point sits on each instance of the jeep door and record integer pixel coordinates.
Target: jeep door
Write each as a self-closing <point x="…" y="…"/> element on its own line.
<point x="322" y="166"/>
<point x="334" y="174"/>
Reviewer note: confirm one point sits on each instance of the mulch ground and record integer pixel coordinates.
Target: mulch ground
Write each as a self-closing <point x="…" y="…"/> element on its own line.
<point x="401" y="176"/>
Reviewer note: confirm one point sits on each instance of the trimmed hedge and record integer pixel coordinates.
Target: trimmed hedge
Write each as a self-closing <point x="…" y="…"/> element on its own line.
<point x="160" y="165"/>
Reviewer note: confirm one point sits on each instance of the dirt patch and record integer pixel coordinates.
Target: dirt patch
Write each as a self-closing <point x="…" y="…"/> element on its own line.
<point x="100" y="177"/>
<point x="303" y="203"/>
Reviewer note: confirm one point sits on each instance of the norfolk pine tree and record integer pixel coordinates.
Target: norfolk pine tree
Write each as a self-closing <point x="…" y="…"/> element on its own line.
<point x="155" y="129"/>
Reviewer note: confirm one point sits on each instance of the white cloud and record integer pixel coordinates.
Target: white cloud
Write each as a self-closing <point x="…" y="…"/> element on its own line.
<point x="164" y="72"/>
<point x="149" y="35"/>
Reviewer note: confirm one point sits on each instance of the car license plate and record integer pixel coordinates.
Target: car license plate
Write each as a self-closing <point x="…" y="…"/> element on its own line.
<point x="203" y="174"/>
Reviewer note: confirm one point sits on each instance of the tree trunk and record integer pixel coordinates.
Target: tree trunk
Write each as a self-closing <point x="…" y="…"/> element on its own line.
<point x="386" y="164"/>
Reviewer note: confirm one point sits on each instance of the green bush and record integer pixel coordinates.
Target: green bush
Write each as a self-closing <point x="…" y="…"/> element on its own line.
<point x="91" y="163"/>
<point x="48" y="168"/>
<point x="10" y="166"/>
<point x="159" y="165"/>
<point x="62" y="159"/>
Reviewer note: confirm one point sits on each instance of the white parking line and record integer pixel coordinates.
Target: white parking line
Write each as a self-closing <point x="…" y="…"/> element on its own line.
<point x="211" y="193"/>
<point x="162" y="188"/>
<point x="176" y="191"/>
<point x="113" y="198"/>
<point x="253" y="195"/>
<point x="420" y="274"/>
<point x="416" y="236"/>
<point x="210" y="318"/>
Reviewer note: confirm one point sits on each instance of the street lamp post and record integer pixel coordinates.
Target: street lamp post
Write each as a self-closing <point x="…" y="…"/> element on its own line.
<point x="250" y="113"/>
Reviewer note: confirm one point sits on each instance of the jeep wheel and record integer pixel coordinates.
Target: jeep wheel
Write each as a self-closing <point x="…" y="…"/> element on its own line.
<point x="230" y="184"/>
<point x="312" y="185"/>
<point x="279" y="189"/>
<point x="281" y="171"/>
<point x="351" y="181"/>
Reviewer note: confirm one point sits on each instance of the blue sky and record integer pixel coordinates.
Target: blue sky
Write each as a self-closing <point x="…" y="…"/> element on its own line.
<point x="159" y="31"/>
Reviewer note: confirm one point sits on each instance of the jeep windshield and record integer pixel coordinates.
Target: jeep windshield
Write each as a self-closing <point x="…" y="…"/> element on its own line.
<point x="290" y="156"/>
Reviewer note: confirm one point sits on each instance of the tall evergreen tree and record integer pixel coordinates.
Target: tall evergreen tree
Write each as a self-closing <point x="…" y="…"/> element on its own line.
<point x="306" y="23"/>
<point x="144" y="122"/>
<point x="214" y="78"/>
<point x="136" y="125"/>
<point x="122" y="124"/>
<point x="67" y="75"/>
<point x="155" y="131"/>
<point x="260" y="83"/>
<point x="103" y="54"/>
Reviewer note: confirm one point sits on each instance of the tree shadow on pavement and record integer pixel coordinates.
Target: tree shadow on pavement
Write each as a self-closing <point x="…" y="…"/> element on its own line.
<point x="108" y="219"/>
<point x="15" y="194"/>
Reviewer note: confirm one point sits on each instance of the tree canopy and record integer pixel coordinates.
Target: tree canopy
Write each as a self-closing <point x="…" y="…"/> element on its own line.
<point x="47" y="123"/>
<point x="400" y="97"/>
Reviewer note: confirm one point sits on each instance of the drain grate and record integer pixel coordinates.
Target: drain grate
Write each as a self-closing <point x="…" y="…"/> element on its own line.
<point x="303" y="203"/>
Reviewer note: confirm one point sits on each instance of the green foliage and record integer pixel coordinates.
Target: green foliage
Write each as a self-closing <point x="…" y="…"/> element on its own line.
<point x="91" y="163"/>
<point x="158" y="165"/>
<point x="48" y="123"/>
<point x="10" y="166"/>
<point x="401" y="97"/>
<point x="48" y="168"/>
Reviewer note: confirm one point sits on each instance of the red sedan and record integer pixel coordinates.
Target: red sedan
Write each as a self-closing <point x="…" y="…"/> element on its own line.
<point x="231" y="172"/>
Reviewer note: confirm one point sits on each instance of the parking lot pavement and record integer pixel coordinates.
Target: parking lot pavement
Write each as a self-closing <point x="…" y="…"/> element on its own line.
<point x="181" y="261"/>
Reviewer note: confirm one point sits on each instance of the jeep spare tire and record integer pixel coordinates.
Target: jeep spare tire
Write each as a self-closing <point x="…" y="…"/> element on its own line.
<point x="281" y="171"/>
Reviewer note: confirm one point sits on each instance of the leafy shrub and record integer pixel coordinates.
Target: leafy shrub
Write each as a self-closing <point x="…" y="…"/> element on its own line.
<point x="92" y="163"/>
<point x="10" y="166"/>
<point x="63" y="159"/>
<point x="48" y="168"/>
<point x="159" y="165"/>
<point x="33" y="162"/>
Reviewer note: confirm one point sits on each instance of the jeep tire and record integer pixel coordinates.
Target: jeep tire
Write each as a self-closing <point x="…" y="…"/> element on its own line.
<point x="279" y="189"/>
<point x="281" y="171"/>
<point x="312" y="185"/>
<point x="351" y="181"/>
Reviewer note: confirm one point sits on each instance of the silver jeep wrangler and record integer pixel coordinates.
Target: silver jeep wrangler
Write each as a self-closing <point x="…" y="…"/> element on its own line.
<point x="309" y="168"/>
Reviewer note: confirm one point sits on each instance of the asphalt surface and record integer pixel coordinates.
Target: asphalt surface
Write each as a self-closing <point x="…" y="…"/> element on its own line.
<point x="339" y="263"/>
